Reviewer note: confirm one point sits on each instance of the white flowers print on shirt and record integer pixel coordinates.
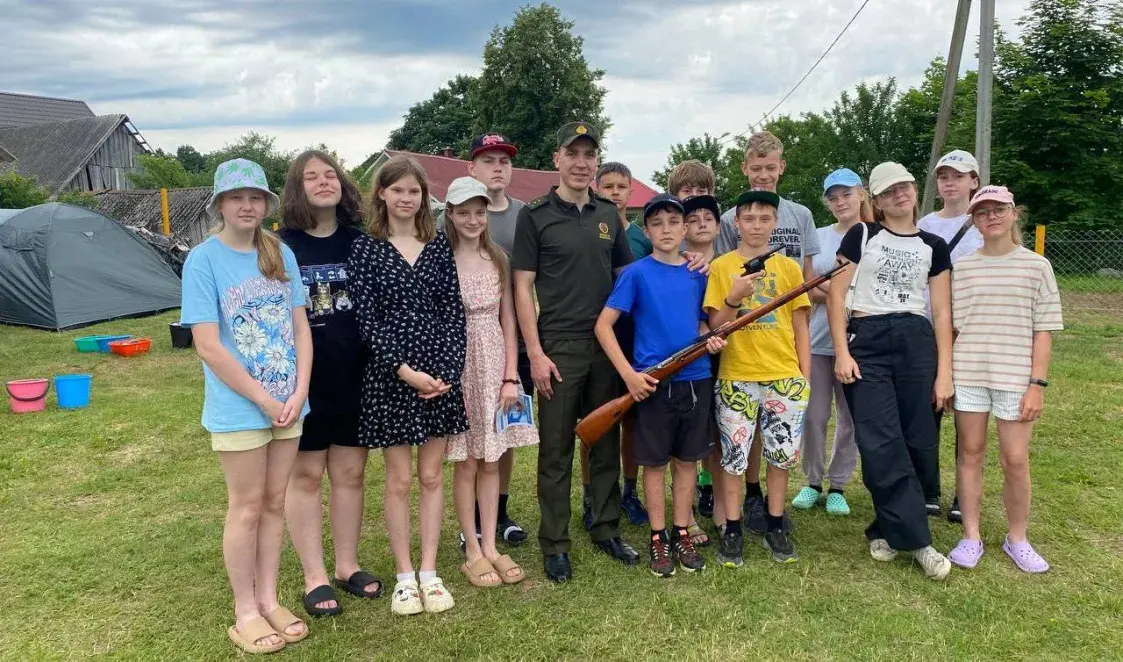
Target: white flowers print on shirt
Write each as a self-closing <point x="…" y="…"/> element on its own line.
<point x="257" y="309"/>
<point x="897" y="272"/>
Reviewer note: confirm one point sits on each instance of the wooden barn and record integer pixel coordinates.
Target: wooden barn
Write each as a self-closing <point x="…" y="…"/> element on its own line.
<point x="65" y="146"/>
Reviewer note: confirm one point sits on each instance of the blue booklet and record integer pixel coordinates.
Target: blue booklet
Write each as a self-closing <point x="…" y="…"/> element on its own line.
<point x="519" y="414"/>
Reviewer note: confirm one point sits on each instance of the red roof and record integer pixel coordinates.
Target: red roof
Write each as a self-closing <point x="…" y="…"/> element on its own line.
<point x="526" y="185"/>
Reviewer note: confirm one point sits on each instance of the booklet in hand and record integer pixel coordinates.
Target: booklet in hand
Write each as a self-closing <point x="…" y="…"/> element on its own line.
<point x="519" y="414"/>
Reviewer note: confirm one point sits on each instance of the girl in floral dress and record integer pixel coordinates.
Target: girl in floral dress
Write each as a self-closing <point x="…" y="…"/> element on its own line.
<point x="490" y="382"/>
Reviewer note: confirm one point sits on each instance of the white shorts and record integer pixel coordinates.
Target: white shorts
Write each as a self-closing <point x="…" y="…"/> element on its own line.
<point x="1006" y="405"/>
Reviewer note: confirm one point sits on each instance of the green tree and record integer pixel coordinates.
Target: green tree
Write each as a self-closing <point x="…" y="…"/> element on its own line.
<point x="160" y="171"/>
<point x="260" y="149"/>
<point x="78" y="198"/>
<point x="918" y="107"/>
<point x="19" y="192"/>
<point x="535" y="78"/>
<point x="443" y="120"/>
<point x="711" y="151"/>
<point x="191" y="159"/>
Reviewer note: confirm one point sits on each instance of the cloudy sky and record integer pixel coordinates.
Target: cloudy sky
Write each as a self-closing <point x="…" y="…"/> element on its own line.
<point x="343" y="72"/>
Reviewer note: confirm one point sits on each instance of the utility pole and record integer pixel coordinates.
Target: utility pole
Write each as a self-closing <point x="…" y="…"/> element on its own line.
<point x="947" y="99"/>
<point x="986" y="84"/>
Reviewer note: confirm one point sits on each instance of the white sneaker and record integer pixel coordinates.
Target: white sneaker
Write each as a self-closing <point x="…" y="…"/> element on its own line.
<point x="436" y="597"/>
<point x="936" y="565"/>
<point x="881" y="551"/>
<point x="406" y="601"/>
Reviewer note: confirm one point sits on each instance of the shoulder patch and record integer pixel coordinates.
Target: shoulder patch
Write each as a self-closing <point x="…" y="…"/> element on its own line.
<point x="604" y="199"/>
<point x="537" y="202"/>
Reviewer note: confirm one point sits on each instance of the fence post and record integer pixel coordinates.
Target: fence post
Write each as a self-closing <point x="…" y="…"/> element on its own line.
<point x="1039" y="240"/>
<point x="167" y="225"/>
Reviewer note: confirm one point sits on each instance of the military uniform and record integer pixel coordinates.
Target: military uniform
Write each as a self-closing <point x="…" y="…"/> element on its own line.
<point x="573" y="253"/>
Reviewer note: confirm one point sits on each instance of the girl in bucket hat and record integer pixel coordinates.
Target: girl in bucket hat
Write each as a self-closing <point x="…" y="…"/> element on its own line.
<point x="244" y="302"/>
<point x="1001" y="361"/>
<point x="892" y="363"/>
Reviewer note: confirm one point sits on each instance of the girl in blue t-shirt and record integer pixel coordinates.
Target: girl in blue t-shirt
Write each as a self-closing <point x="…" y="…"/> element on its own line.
<point x="244" y="302"/>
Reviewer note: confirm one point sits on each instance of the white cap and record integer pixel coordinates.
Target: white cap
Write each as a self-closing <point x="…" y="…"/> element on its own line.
<point x="961" y="160"/>
<point x="887" y="174"/>
<point x="463" y="189"/>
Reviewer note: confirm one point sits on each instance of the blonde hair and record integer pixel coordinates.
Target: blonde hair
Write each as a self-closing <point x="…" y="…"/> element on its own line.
<point x="692" y="173"/>
<point x="270" y="261"/>
<point x="488" y="248"/>
<point x="865" y="206"/>
<point x="763" y="143"/>
<point x="396" y="168"/>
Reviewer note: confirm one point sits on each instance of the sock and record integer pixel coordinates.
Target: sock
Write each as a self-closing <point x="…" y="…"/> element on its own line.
<point x="659" y="533"/>
<point x="406" y="576"/>
<point x="682" y="533"/>
<point x="503" y="508"/>
<point x="817" y="488"/>
<point x="775" y="523"/>
<point x="705" y="478"/>
<point x="835" y="490"/>
<point x="732" y="526"/>
<point x="629" y="488"/>
<point x="427" y="575"/>
<point x="753" y="490"/>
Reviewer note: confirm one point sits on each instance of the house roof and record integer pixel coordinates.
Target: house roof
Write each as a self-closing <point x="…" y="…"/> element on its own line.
<point x="140" y="208"/>
<point x="526" y="184"/>
<point x="25" y="109"/>
<point x="54" y="152"/>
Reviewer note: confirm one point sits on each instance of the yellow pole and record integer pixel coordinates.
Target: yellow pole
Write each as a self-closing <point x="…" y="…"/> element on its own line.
<point x="164" y="211"/>
<point x="1039" y="240"/>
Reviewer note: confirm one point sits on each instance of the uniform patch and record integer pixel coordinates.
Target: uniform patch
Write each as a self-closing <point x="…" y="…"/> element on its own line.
<point x="603" y="227"/>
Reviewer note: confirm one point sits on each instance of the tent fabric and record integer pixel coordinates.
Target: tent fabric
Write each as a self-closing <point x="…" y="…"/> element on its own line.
<point x="63" y="266"/>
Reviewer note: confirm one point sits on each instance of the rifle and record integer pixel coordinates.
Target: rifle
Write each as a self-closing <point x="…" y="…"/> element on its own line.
<point x="596" y="424"/>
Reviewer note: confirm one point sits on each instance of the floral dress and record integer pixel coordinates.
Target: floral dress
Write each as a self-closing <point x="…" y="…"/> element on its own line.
<point x="412" y="315"/>
<point x="483" y="373"/>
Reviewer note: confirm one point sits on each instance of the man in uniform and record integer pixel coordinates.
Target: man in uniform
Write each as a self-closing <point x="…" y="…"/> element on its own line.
<point x="568" y="246"/>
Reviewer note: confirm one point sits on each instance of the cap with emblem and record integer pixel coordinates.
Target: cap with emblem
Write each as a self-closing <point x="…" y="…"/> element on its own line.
<point x="492" y="142"/>
<point x="574" y="130"/>
<point x="959" y="160"/>
<point x="662" y="201"/>
<point x="757" y="195"/>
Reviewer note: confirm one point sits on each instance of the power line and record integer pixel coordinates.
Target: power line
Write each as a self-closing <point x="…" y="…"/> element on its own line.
<point x="805" y="76"/>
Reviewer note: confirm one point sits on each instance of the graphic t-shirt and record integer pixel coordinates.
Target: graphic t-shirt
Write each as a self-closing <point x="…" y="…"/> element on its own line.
<point x="763" y="351"/>
<point x="340" y="356"/>
<point x="829" y="239"/>
<point x="893" y="270"/>
<point x="665" y="302"/>
<point x="795" y="231"/>
<point x="254" y="317"/>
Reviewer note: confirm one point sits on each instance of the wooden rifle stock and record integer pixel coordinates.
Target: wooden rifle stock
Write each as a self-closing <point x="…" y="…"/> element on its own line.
<point x="600" y="421"/>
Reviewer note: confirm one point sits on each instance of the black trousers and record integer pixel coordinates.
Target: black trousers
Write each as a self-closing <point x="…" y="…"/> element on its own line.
<point x="893" y="423"/>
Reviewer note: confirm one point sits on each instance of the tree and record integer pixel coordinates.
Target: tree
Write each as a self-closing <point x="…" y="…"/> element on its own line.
<point x="708" y="150"/>
<point x="192" y="160"/>
<point x="535" y="78"/>
<point x="260" y="149"/>
<point x="78" y="198"/>
<point x="918" y="108"/>
<point x="19" y="192"/>
<point x="443" y="120"/>
<point x="161" y="171"/>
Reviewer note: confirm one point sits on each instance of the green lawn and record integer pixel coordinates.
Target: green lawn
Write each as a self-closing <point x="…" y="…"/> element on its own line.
<point x="111" y="517"/>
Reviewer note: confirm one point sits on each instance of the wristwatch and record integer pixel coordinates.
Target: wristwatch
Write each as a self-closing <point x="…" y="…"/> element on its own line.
<point x="1040" y="382"/>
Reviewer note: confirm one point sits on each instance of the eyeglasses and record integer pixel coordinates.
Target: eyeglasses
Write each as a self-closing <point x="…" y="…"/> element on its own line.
<point x="1001" y="211"/>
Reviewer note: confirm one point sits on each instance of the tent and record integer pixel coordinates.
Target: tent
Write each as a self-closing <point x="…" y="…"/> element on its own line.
<point x="63" y="266"/>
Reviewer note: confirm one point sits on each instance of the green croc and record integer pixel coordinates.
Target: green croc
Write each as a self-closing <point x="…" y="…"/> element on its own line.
<point x="807" y="498"/>
<point x="836" y="504"/>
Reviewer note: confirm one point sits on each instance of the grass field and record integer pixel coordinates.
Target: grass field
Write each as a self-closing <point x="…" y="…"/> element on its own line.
<point x="111" y="520"/>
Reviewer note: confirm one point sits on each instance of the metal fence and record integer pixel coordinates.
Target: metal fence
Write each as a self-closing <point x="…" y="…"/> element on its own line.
<point x="1089" y="269"/>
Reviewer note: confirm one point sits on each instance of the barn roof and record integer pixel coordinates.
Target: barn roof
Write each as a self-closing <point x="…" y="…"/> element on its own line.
<point x="54" y="152"/>
<point x="526" y="184"/>
<point x="25" y="109"/>
<point x="140" y="208"/>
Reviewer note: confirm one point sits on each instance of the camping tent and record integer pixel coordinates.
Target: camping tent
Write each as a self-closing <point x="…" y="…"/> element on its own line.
<point x="63" y="266"/>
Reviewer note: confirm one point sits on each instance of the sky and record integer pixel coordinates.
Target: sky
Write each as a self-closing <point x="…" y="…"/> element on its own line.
<point x="203" y="72"/>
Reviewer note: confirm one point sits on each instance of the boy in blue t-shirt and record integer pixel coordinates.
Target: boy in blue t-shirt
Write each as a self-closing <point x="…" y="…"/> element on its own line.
<point x="673" y="418"/>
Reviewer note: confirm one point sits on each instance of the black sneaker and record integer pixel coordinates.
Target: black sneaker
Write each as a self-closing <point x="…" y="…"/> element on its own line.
<point x="683" y="552"/>
<point x="954" y="515"/>
<point x="705" y="500"/>
<point x="752" y="512"/>
<point x="662" y="565"/>
<point x="781" y="547"/>
<point x="932" y="507"/>
<point x="729" y="550"/>
<point x="587" y="514"/>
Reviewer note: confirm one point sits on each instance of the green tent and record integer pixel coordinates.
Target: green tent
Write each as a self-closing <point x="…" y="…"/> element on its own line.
<point x="63" y="266"/>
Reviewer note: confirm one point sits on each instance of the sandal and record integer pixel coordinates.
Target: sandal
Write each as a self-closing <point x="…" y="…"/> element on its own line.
<point x="511" y="533"/>
<point x="322" y="593"/>
<point x="698" y="536"/>
<point x="356" y="584"/>
<point x="436" y="597"/>
<point x="281" y="618"/>
<point x="476" y="570"/>
<point x="253" y="632"/>
<point x="406" y="601"/>
<point x="1024" y="556"/>
<point x="505" y="564"/>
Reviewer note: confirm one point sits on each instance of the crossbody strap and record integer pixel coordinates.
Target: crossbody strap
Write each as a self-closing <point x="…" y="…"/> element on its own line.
<point x="854" y="279"/>
<point x="959" y="235"/>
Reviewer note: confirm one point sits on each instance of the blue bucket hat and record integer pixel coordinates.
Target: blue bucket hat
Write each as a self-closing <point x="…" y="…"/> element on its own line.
<point x="841" y="177"/>
<point x="241" y="173"/>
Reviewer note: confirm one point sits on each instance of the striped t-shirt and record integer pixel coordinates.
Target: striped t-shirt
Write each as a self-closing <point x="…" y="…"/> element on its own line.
<point x="998" y="303"/>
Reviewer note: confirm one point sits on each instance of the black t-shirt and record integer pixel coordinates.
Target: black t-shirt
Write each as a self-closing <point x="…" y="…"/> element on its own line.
<point x="338" y="355"/>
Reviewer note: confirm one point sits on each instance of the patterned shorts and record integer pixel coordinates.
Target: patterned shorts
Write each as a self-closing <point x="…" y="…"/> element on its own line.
<point x="778" y="406"/>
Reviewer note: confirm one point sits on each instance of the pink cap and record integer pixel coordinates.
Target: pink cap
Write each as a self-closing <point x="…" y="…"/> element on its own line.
<point x="993" y="194"/>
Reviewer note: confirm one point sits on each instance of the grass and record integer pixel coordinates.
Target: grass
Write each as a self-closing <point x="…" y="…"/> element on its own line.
<point x="111" y="520"/>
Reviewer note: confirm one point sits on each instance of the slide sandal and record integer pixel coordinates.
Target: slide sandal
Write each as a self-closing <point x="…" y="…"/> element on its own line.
<point x="281" y="618"/>
<point x="322" y="593"/>
<point x="255" y="630"/>
<point x="357" y="582"/>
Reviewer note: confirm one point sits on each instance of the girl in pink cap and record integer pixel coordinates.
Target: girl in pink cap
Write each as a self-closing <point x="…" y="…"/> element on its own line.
<point x="1005" y="306"/>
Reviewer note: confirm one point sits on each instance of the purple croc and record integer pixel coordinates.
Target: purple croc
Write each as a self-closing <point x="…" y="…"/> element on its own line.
<point x="1024" y="556"/>
<point x="967" y="553"/>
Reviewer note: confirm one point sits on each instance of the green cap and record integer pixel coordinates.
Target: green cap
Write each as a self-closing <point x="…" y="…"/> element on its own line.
<point x="767" y="197"/>
<point x="574" y="130"/>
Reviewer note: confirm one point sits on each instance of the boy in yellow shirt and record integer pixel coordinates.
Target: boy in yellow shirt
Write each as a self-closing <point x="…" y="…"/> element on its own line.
<point x="762" y="377"/>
